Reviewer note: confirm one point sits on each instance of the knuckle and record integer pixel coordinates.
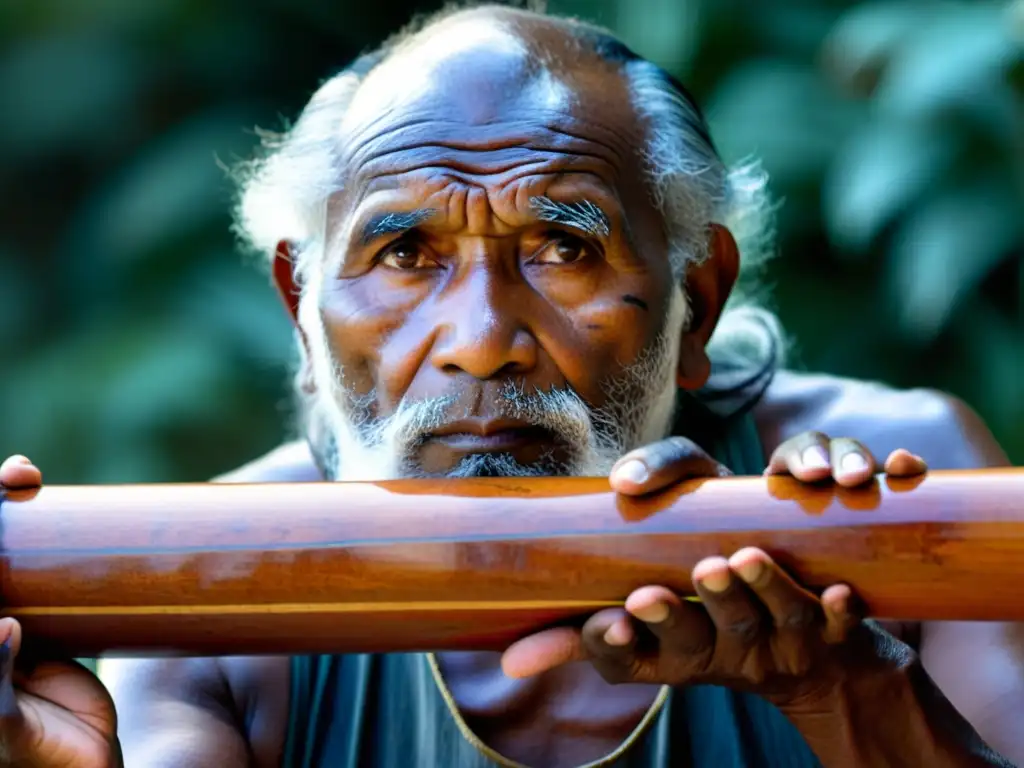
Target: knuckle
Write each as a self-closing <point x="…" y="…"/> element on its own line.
<point x="673" y="449"/>
<point x="682" y="444"/>
<point x="800" y="616"/>
<point x="804" y="440"/>
<point x="745" y="629"/>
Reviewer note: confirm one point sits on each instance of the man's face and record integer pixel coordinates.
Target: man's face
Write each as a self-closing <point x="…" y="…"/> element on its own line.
<point x="496" y="297"/>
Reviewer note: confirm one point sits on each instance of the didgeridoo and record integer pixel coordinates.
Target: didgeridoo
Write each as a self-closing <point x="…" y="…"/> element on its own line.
<point x="473" y="564"/>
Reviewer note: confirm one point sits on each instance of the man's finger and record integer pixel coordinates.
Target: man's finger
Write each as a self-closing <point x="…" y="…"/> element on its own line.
<point x="610" y="641"/>
<point x="852" y="463"/>
<point x="903" y="463"/>
<point x="19" y="472"/>
<point x="683" y="628"/>
<point x="662" y="464"/>
<point x="806" y="457"/>
<point x="843" y="613"/>
<point x="543" y="651"/>
<point x="739" y="621"/>
<point x="796" y="614"/>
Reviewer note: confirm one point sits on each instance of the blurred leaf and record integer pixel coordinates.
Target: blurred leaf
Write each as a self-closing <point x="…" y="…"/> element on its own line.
<point x="110" y="16"/>
<point x="172" y="188"/>
<point x="147" y="385"/>
<point x="16" y="298"/>
<point x="865" y="37"/>
<point x="796" y="27"/>
<point x="782" y="113"/>
<point x="67" y="91"/>
<point x="945" y="249"/>
<point x="996" y="366"/>
<point x="953" y="53"/>
<point x="665" y="31"/>
<point x="879" y="172"/>
<point x="239" y="302"/>
<point x="1015" y="20"/>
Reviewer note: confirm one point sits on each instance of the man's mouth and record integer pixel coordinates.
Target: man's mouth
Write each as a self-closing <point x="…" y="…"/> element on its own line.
<point x="489" y="436"/>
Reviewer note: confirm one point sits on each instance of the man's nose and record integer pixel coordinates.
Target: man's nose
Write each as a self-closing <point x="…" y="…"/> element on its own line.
<point x="483" y="332"/>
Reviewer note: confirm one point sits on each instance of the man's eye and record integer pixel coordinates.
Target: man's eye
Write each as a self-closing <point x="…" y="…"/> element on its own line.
<point x="406" y="256"/>
<point x="563" y="249"/>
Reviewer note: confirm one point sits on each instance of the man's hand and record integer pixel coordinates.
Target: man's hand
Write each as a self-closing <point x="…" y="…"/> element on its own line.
<point x="755" y="628"/>
<point x="52" y="714"/>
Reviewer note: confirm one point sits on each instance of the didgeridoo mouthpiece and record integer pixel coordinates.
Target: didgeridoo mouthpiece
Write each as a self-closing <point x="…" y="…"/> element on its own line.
<point x="473" y="564"/>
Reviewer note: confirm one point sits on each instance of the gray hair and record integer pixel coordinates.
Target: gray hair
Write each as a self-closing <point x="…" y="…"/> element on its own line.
<point x="284" y="194"/>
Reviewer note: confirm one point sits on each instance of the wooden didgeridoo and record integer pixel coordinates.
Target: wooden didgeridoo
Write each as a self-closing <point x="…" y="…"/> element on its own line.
<point x="473" y="564"/>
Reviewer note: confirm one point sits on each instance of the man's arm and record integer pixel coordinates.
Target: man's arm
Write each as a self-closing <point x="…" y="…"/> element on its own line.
<point x="208" y="712"/>
<point x="173" y="713"/>
<point x="972" y="669"/>
<point x="979" y="666"/>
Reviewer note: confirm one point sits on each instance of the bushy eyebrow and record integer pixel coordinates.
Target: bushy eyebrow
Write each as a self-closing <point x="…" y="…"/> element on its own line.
<point x="583" y="215"/>
<point x="393" y="223"/>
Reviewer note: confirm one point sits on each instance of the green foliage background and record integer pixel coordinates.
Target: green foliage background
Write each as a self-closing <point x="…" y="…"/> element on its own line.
<point x="136" y="344"/>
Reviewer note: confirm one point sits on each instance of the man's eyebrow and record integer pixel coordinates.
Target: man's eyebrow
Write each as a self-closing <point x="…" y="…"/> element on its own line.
<point x="583" y="215"/>
<point x="393" y="223"/>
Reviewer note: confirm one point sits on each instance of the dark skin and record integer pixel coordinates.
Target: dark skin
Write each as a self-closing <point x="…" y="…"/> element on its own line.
<point x="481" y="292"/>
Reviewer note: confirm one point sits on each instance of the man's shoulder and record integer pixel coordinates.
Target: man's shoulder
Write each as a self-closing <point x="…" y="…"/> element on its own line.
<point x="938" y="426"/>
<point x="288" y="463"/>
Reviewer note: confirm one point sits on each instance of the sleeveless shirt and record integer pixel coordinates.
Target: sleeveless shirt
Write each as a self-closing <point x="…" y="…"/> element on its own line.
<point x="395" y="711"/>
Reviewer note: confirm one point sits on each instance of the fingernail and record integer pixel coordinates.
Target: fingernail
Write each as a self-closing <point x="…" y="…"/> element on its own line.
<point x="814" y="457"/>
<point x="634" y="470"/>
<point x="751" y="571"/>
<point x="653" y="614"/>
<point x="716" y="581"/>
<point x="617" y="634"/>
<point x="854" y="462"/>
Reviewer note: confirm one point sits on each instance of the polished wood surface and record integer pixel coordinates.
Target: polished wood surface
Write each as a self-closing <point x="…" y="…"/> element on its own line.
<point x="473" y="564"/>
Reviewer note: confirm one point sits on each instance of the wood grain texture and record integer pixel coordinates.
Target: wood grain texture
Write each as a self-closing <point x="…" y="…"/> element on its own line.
<point x="473" y="564"/>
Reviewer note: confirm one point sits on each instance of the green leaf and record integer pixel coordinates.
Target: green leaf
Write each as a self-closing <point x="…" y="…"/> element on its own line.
<point x="997" y="367"/>
<point x="945" y="249"/>
<point x="878" y="174"/>
<point x="173" y="188"/>
<point x="784" y="114"/>
<point x="955" y="52"/>
<point x="67" y="91"/>
<point x="865" y="37"/>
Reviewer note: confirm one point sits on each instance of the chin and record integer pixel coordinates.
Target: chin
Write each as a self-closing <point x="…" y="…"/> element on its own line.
<point x="506" y="465"/>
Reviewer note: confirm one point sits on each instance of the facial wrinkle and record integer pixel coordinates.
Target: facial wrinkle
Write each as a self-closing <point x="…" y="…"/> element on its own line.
<point x="454" y="137"/>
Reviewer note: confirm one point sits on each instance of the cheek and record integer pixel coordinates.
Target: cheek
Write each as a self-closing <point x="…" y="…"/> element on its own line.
<point x="358" y="325"/>
<point x="377" y="333"/>
<point x="605" y="325"/>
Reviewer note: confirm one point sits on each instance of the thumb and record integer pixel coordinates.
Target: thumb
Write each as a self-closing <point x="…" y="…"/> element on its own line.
<point x="659" y="465"/>
<point x="543" y="651"/>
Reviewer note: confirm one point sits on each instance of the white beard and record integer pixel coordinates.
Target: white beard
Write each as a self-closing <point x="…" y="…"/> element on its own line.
<point x="350" y="444"/>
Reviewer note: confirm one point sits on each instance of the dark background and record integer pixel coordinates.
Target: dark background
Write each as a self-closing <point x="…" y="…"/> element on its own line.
<point x="138" y="344"/>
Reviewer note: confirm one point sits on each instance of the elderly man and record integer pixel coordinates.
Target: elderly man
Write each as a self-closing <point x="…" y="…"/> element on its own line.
<point x="510" y="248"/>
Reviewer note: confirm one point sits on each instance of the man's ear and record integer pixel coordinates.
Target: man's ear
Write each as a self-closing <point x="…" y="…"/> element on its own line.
<point x="707" y="287"/>
<point x="283" y="270"/>
<point x="284" y="279"/>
